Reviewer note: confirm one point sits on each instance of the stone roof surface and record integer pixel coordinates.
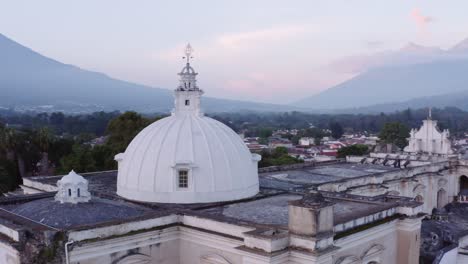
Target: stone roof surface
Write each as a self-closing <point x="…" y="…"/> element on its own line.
<point x="63" y="215"/>
<point x="322" y="174"/>
<point x="268" y="208"/>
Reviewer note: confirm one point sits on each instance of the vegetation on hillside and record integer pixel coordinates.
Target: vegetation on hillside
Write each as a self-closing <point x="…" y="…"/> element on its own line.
<point x="353" y="150"/>
<point x="38" y="144"/>
<point x="32" y="149"/>
<point x="276" y="157"/>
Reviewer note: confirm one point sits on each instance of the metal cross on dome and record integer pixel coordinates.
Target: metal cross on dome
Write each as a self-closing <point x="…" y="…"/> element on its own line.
<point x="188" y="53"/>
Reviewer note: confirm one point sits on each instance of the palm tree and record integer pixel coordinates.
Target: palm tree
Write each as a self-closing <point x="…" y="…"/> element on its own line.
<point x="9" y="143"/>
<point x="44" y="138"/>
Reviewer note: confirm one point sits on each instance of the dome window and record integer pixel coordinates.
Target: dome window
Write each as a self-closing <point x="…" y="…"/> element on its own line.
<point x="187" y="102"/>
<point x="183" y="179"/>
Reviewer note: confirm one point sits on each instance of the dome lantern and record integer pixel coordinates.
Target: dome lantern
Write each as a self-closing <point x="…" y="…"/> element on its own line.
<point x="187" y="94"/>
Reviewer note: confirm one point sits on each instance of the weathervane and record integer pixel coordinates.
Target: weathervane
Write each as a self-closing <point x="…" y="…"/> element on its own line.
<point x="188" y="53"/>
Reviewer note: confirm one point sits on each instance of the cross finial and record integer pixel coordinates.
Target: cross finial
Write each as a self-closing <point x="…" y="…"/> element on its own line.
<point x="188" y="52"/>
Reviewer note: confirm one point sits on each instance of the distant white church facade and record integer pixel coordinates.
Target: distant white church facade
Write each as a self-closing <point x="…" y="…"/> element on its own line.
<point x="429" y="139"/>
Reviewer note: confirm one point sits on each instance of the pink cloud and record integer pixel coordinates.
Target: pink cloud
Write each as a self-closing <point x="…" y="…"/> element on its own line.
<point x="261" y="37"/>
<point x="420" y="19"/>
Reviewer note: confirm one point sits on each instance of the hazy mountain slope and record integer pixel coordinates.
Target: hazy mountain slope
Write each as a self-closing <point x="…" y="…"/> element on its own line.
<point x="394" y="84"/>
<point x="458" y="100"/>
<point x="30" y="79"/>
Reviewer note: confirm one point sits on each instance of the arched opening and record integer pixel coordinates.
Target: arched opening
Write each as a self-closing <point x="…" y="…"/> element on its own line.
<point x="69" y="192"/>
<point x="419" y="199"/>
<point x="442" y="198"/>
<point x="463" y="183"/>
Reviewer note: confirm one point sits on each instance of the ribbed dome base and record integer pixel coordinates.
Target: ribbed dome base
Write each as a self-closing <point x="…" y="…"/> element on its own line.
<point x="187" y="197"/>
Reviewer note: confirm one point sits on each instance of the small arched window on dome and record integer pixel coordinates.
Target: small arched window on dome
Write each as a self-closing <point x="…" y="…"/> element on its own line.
<point x="187" y="102"/>
<point x="78" y="192"/>
<point x="69" y="192"/>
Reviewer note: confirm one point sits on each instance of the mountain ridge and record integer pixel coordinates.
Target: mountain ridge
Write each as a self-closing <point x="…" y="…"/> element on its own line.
<point x="29" y="79"/>
<point x="396" y="76"/>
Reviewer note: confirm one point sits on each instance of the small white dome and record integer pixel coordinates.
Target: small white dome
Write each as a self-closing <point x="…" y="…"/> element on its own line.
<point x="72" y="188"/>
<point x="187" y="157"/>
<point x="218" y="165"/>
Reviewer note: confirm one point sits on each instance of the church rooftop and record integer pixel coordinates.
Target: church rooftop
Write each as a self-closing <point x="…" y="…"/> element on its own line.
<point x="290" y="179"/>
<point x="273" y="210"/>
<point x="52" y="213"/>
<point x="320" y="174"/>
<point x="269" y="208"/>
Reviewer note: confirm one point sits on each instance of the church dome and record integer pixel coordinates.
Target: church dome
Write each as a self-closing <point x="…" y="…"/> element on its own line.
<point x="187" y="157"/>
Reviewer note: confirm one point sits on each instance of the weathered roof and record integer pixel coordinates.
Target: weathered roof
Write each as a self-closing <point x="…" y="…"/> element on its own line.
<point x="63" y="215"/>
<point x="295" y="178"/>
<point x="269" y="207"/>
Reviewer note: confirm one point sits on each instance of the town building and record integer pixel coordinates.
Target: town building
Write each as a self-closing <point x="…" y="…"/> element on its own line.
<point x="306" y="141"/>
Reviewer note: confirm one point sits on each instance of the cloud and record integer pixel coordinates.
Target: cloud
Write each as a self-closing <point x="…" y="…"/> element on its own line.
<point x="246" y="41"/>
<point x="411" y="53"/>
<point x="248" y="38"/>
<point x="247" y="64"/>
<point x="420" y="19"/>
<point x="374" y="44"/>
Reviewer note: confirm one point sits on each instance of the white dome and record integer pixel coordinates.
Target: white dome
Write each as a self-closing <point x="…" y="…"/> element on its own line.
<point x="220" y="167"/>
<point x="187" y="157"/>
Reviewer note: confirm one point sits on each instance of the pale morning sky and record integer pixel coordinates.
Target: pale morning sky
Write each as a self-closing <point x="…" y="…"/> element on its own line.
<point x="272" y="51"/>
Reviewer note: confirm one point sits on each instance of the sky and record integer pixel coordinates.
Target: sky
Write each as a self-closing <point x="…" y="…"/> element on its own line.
<point x="269" y="51"/>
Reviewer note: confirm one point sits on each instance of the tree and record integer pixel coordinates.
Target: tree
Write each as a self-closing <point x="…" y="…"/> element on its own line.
<point x="43" y="140"/>
<point x="59" y="148"/>
<point x="265" y="132"/>
<point x="395" y="133"/>
<point x="8" y="142"/>
<point x="353" y="150"/>
<point x="80" y="159"/>
<point x="278" y="156"/>
<point x="317" y="141"/>
<point x="336" y="130"/>
<point x="123" y="129"/>
<point x="8" y="176"/>
<point x="104" y="157"/>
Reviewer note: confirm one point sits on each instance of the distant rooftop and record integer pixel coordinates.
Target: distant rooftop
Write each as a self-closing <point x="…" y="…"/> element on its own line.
<point x="296" y="178"/>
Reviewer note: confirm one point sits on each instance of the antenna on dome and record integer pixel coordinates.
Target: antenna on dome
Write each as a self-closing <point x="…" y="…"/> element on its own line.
<point x="188" y="53"/>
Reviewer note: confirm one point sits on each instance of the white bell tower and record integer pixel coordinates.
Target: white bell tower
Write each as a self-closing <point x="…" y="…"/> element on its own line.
<point x="187" y="94"/>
